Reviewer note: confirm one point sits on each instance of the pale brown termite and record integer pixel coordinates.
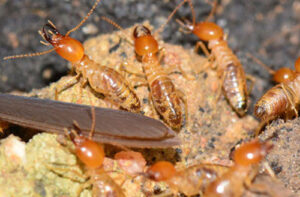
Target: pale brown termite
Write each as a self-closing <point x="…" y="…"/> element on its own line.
<point x="229" y="68"/>
<point x="239" y="176"/>
<point x="111" y="126"/>
<point x="189" y="181"/>
<point x="166" y="100"/>
<point x="102" y="79"/>
<point x="212" y="180"/>
<point x="282" y="99"/>
<point x="92" y="155"/>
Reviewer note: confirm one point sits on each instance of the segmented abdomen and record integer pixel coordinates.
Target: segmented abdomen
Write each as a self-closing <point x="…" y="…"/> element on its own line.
<point x="164" y="96"/>
<point x="109" y="82"/>
<point x="275" y="101"/>
<point x="232" y="73"/>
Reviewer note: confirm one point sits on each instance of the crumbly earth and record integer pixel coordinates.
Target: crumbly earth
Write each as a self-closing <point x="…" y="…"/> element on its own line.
<point x="208" y="135"/>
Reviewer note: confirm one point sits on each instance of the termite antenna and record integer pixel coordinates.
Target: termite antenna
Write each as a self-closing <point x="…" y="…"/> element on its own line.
<point x="259" y="62"/>
<point x="193" y="12"/>
<point x="28" y="55"/>
<point x="112" y="22"/>
<point x="85" y="18"/>
<point x="108" y="20"/>
<point x="170" y="17"/>
<point x="213" y="9"/>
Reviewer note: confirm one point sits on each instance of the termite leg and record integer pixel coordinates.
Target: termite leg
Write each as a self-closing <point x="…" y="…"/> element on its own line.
<point x="260" y="127"/>
<point x="255" y="187"/>
<point x="252" y="80"/>
<point x="269" y="170"/>
<point x="172" y="69"/>
<point x="201" y="45"/>
<point x="69" y="83"/>
<point x="121" y="68"/>
<point x="219" y="93"/>
<point x="289" y="99"/>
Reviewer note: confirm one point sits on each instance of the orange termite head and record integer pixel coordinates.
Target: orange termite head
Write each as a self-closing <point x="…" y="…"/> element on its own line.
<point x="144" y="42"/>
<point x="251" y="153"/>
<point x="208" y="31"/>
<point x="284" y="75"/>
<point x="297" y="65"/>
<point x="161" y="171"/>
<point x="89" y="152"/>
<point x="204" y="30"/>
<point x="67" y="47"/>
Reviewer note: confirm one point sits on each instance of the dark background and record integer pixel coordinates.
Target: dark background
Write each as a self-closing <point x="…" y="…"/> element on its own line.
<point x="249" y="24"/>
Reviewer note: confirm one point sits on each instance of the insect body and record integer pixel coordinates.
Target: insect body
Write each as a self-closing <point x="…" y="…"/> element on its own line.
<point x="282" y="99"/>
<point x="102" y="79"/>
<point x="214" y="180"/>
<point x="165" y="98"/>
<point x="246" y="158"/>
<point x="190" y="181"/>
<point x="229" y="68"/>
<point x="279" y="100"/>
<point x="91" y="154"/>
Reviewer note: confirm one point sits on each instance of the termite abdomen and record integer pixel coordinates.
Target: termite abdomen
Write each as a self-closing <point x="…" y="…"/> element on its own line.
<point x="110" y="83"/>
<point x="166" y="101"/>
<point x="234" y="87"/>
<point x="274" y="103"/>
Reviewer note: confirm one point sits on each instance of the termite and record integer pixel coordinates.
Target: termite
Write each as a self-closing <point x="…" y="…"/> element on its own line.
<point x="246" y="163"/>
<point x="166" y="100"/>
<point x="91" y="154"/>
<point x="102" y="79"/>
<point x="229" y="68"/>
<point x="189" y="181"/>
<point x="114" y="127"/>
<point x="282" y="99"/>
<point x="210" y="179"/>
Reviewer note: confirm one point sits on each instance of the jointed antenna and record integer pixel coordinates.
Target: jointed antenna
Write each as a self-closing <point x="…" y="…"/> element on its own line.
<point x="28" y="55"/>
<point x="111" y="22"/>
<point x="117" y="26"/>
<point x="85" y="18"/>
<point x="213" y="10"/>
<point x="170" y="16"/>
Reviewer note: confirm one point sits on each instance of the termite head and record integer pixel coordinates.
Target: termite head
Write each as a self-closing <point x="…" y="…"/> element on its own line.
<point x="144" y="42"/>
<point x="284" y="74"/>
<point x="89" y="152"/>
<point x="251" y="153"/>
<point x="67" y="47"/>
<point x="161" y="171"/>
<point x="204" y="30"/>
<point x="208" y="31"/>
